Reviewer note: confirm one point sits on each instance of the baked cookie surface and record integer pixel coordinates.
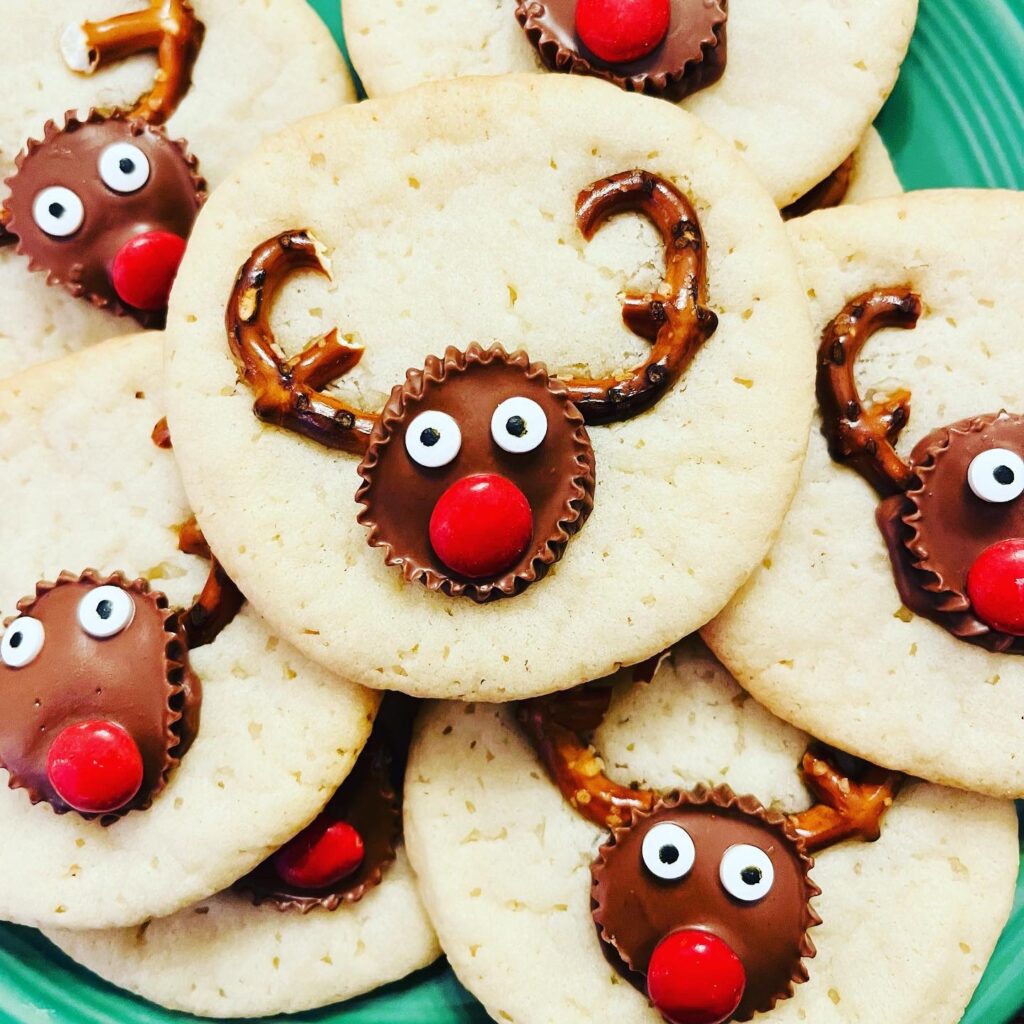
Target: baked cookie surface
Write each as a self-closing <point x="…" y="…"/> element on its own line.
<point x="260" y="66"/>
<point x="793" y="113"/>
<point x="821" y="633"/>
<point x="86" y="487"/>
<point x="226" y="958"/>
<point x="504" y="862"/>
<point x="448" y="216"/>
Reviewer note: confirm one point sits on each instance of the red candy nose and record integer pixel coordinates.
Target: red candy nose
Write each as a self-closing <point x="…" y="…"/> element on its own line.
<point x="322" y="854"/>
<point x="695" y="978"/>
<point x="144" y="269"/>
<point x="95" y="767"/>
<point x="481" y="526"/>
<point x="620" y="31"/>
<point x="995" y="586"/>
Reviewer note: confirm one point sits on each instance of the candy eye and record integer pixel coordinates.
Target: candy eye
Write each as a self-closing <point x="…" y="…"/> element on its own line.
<point x="22" y="642"/>
<point x="747" y="873"/>
<point x="105" y="611"/>
<point x="996" y="475"/>
<point x="519" y="425"/>
<point x="124" y="167"/>
<point x="668" y="851"/>
<point x="433" y="439"/>
<point x="58" y="211"/>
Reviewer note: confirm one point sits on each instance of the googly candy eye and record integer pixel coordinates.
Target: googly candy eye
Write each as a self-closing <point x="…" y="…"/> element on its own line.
<point x="22" y="642"/>
<point x="124" y="167"/>
<point x="519" y="425"/>
<point x="433" y="439"/>
<point x="747" y="873"/>
<point x="105" y="611"/>
<point x="58" y="211"/>
<point x="996" y="475"/>
<point x="668" y="851"/>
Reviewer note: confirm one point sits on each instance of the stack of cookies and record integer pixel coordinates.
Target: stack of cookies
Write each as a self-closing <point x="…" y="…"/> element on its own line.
<point x="516" y="478"/>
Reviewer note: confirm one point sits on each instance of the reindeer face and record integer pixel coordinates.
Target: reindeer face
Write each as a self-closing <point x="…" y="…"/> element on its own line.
<point x="967" y="516"/>
<point x="703" y="900"/>
<point x="707" y="896"/>
<point x="478" y="471"/>
<point x="99" y="701"/>
<point x="953" y="515"/>
<point x="104" y="206"/>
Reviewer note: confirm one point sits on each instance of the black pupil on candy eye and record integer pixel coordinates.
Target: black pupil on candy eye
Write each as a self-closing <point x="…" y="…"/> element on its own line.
<point x="56" y="210"/>
<point x="16" y="639"/>
<point x="1004" y="475"/>
<point x="430" y="436"/>
<point x="668" y="854"/>
<point x="127" y="164"/>
<point x="751" y="875"/>
<point x="516" y="426"/>
<point x="104" y="610"/>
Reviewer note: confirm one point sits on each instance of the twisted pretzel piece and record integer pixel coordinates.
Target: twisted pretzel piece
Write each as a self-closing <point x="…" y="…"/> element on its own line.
<point x="170" y="27"/>
<point x="829" y="192"/>
<point x="218" y="602"/>
<point x="846" y="808"/>
<point x="553" y="724"/>
<point x="865" y="436"/>
<point x="287" y="392"/>
<point x="677" y="323"/>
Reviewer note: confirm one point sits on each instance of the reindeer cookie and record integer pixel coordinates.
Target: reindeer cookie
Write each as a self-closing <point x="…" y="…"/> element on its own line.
<point x="794" y="95"/>
<point x="907" y="526"/>
<point x="331" y="915"/>
<point x="155" y="745"/>
<point x="574" y="441"/>
<point x="118" y="114"/>
<point x="701" y="861"/>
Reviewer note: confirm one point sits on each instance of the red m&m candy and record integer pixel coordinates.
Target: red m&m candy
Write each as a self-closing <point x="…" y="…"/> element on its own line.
<point x="481" y="526"/>
<point x="620" y="31"/>
<point x="694" y="977"/>
<point x="95" y="767"/>
<point x="322" y="854"/>
<point x="995" y="586"/>
<point x="145" y="267"/>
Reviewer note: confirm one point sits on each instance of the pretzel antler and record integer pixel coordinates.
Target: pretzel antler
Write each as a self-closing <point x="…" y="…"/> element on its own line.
<point x="170" y="27"/>
<point x="287" y="392"/>
<point x="218" y="602"/>
<point x="865" y="436"/>
<point x="553" y="724"/>
<point x="678" y="323"/>
<point x="847" y="809"/>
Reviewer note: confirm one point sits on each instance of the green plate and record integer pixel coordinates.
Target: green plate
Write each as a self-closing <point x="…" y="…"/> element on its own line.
<point x="954" y="119"/>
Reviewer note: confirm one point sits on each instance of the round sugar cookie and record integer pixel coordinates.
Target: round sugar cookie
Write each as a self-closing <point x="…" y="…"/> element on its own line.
<point x="797" y="92"/>
<point x="334" y="914"/>
<point x="86" y="488"/>
<point x="822" y="634"/>
<point x="224" y="957"/>
<point x="504" y="864"/>
<point x="457" y="201"/>
<point x="261" y="64"/>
